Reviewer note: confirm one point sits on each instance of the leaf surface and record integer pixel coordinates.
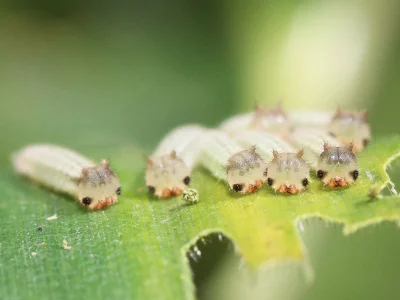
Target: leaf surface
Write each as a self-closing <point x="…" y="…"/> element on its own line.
<point x="137" y="248"/>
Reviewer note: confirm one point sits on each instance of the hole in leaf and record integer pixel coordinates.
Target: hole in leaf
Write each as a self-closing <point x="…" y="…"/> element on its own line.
<point x="206" y="256"/>
<point x="394" y="173"/>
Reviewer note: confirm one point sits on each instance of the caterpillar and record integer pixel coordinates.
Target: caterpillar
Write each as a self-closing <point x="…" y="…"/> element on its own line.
<point x="288" y="172"/>
<point x="169" y="168"/>
<point x="338" y="166"/>
<point x="243" y="169"/>
<point x="311" y="140"/>
<point x="273" y="120"/>
<point x="351" y="127"/>
<point x="95" y="185"/>
<point x="346" y="126"/>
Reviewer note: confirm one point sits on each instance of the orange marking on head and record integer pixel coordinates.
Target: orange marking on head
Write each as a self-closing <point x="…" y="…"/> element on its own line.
<point x="168" y="193"/>
<point x="254" y="187"/>
<point x="290" y="189"/>
<point x="338" y="182"/>
<point x="102" y="204"/>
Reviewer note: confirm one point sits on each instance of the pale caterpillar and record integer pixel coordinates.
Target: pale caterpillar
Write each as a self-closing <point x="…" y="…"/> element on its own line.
<point x="338" y="166"/>
<point x="350" y="127"/>
<point x="243" y="170"/>
<point x="321" y="119"/>
<point x="311" y="140"/>
<point x="169" y="168"/>
<point x="63" y="170"/>
<point x="347" y="127"/>
<point x="273" y="120"/>
<point x="288" y="172"/>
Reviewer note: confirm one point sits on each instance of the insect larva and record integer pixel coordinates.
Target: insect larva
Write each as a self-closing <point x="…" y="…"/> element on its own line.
<point x="169" y="167"/>
<point x="265" y="142"/>
<point x="63" y="170"/>
<point x="237" y="122"/>
<point x="288" y="172"/>
<point x="338" y="166"/>
<point x="349" y="127"/>
<point x="272" y="120"/>
<point x="311" y="118"/>
<point x="225" y="159"/>
<point x="167" y="175"/>
<point x="312" y="140"/>
<point x="185" y="141"/>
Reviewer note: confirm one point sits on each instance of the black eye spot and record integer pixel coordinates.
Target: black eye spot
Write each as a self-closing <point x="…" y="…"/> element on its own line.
<point x="186" y="180"/>
<point x="152" y="190"/>
<point x="305" y="182"/>
<point x="270" y="181"/>
<point x="237" y="187"/>
<point x="266" y="172"/>
<point x="87" y="201"/>
<point x="118" y="191"/>
<point x="354" y="174"/>
<point x="321" y="174"/>
<point x="365" y="142"/>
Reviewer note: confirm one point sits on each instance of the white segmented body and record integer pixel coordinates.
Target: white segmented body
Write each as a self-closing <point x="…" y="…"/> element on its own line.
<point x="243" y="169"/>
<point x="312" y="140"/>
<point x="264" y="142"/>
<point x="184" y="141"/>
<point x="311" y="118"/>
<point x="55" y="167"/>
<point x="217" y="148"/>
<point x="237" y="122"/>
<point x="66" y="171"/>
<point x="351" y="127"/>
<point x="170" y="166"/>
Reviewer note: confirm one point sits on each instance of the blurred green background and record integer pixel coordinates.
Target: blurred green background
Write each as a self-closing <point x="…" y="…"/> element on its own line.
<point x="98" y="74"/>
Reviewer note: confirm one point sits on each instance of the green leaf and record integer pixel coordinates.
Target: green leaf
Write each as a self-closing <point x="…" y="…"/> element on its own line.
<point x="137" y="248"/>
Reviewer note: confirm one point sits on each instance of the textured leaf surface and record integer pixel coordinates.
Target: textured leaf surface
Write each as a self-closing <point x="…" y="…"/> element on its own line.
<point x="136" y="249"/>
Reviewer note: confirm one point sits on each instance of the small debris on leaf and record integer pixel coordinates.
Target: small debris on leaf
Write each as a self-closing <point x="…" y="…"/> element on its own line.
<point x="66" y="246"/>
<point x="53" y="217"/>
<point x="190" y="196"/>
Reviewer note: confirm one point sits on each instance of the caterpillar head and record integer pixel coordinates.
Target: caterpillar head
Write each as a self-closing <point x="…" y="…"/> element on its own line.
<point x="98" y="186"/>
<point x="273" y="120"/>
<point x="245" y="171"/>
<point x="338" y="166"/>
<point x="350" y="127"/>
<point x="167" y="175"/>
<point x="288" y="172"/>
